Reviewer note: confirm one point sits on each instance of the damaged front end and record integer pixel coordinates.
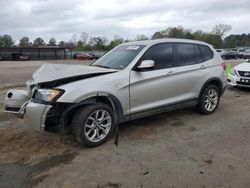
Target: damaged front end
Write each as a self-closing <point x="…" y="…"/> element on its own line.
<point x="39" y="100"/>
<point x="17" y="100"/>
<point x="40" y="108"/>
<point x="20" y="102"/>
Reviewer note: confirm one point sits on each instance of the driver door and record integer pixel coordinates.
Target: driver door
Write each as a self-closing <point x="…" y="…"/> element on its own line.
<point x="151" y="89"/>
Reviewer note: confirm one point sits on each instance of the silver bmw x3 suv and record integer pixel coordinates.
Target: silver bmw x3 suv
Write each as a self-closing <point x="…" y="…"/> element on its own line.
<point x="133" y="80"/>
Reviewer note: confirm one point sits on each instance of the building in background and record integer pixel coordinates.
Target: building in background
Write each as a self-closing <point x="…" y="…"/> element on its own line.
<point x="35" y="53"/>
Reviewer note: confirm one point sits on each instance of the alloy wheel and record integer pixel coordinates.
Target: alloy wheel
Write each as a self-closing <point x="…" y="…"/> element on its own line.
<point x="97" y="125"/>
<point x="211" y="99"/>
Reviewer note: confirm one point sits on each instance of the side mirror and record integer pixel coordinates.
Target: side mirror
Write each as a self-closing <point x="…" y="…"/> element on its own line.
<point x="146" y="64"/>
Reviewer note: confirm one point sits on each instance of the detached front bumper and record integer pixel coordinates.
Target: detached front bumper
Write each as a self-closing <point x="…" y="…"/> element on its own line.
<point x="18" y="103"/>
<point x="37" y="114"/>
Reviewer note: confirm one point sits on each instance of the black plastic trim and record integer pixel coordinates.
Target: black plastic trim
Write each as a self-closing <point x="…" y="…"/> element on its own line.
<point x="221" y="88"/>
<point x="165" y="108"/>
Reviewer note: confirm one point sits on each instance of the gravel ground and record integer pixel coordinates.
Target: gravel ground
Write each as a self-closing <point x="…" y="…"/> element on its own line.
<point x="175" y="149"/>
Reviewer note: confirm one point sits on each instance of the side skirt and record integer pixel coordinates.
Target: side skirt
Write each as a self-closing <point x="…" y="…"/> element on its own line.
<point x="162" y="109"/>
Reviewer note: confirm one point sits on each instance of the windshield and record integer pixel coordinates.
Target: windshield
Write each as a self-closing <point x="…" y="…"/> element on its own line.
<point x="119" y="58"/>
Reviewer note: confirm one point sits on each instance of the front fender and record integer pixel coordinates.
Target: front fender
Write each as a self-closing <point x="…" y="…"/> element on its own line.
<point x="90" y="100"/>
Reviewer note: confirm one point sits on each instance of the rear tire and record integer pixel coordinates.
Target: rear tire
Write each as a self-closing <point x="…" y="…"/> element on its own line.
<point x="209" y="99"/>
<point x="93" y="125"/>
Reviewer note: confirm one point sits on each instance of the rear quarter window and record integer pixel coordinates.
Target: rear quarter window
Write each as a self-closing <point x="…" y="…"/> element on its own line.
<point x="206" y="52"/>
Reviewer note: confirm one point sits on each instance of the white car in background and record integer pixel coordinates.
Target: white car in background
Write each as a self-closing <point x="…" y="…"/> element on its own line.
<point x="240" y="75"/>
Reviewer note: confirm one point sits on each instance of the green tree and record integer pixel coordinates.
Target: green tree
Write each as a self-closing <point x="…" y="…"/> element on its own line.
<point x="116" y="41"/>
<point x="24" y="42"/>
<point x="52" y="42"/>
<point x="189" y="35"/>
<point x="69" y="44"/>
<point x="6" y="41"/>
<point x="173" y="32"/>
<point x="80" y="45"/>
<point x="98" y="43"/>
<point x="233" y="40"/>
<point x="61" y="43"/>
<point x="210" y="38"/>
<point x="158" y="35"/>
<point x="215" y="40"/>
<point x="141" y="37"/>
<point x="38" y="42"/>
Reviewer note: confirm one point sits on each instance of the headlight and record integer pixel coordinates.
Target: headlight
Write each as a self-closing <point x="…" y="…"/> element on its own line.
<point x="232" y="72"/>
<point x="47" y="95"/>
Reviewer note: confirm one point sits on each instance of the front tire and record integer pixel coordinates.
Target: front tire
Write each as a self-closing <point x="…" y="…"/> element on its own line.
<point x="92" y="125"/>
<point x="209" y="100"/>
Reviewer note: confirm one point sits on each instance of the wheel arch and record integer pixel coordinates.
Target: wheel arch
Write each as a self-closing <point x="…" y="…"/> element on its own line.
<point x="212" y="81"/>
<point x="105" y="98"/>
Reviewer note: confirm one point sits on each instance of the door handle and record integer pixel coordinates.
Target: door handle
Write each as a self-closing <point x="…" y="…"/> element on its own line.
<point x="203" y="67"/>
<point x="170" y="73"/>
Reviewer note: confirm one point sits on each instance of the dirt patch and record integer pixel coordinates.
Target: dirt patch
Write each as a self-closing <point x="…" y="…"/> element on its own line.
<point x="142" y="133"/>
<point x="26" y="155"/>
<point x="29" y="175"/>
<point x="34" y="176"/>
<point x="110" y="185"/>
<point x="20" y="143"/>
<point x="145" y="128"/>
<point x="178" y="124"/>
<point x="13" y="175"/>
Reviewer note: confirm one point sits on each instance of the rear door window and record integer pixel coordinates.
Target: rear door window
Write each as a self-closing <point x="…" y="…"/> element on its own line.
<point x="185" y="54"/>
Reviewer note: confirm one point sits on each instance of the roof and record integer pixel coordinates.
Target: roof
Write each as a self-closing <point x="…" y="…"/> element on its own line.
<point x="156" y="41"/>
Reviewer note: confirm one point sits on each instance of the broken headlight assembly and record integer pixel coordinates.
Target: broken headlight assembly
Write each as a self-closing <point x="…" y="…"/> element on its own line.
<point x="47" y="95"/>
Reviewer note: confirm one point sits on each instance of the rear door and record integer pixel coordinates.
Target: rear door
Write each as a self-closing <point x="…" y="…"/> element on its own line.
<point x="154" y="88"/>
<point x="189" y="71"/>
<point x="192" y="68"/>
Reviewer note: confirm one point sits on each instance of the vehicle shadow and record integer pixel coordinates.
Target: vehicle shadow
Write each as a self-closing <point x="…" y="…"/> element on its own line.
<point x="148" y="127"/>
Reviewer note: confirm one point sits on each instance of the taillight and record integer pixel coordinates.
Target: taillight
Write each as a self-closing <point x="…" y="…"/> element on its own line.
<point x="224" y="66"/>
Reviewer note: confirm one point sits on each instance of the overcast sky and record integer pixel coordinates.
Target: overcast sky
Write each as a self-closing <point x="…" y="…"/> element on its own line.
<point x="127" y="18"/>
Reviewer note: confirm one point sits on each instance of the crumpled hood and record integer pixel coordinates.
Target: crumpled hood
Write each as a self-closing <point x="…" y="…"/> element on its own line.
<point x="53" y="72"/>
<point x="243" y="67"/>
